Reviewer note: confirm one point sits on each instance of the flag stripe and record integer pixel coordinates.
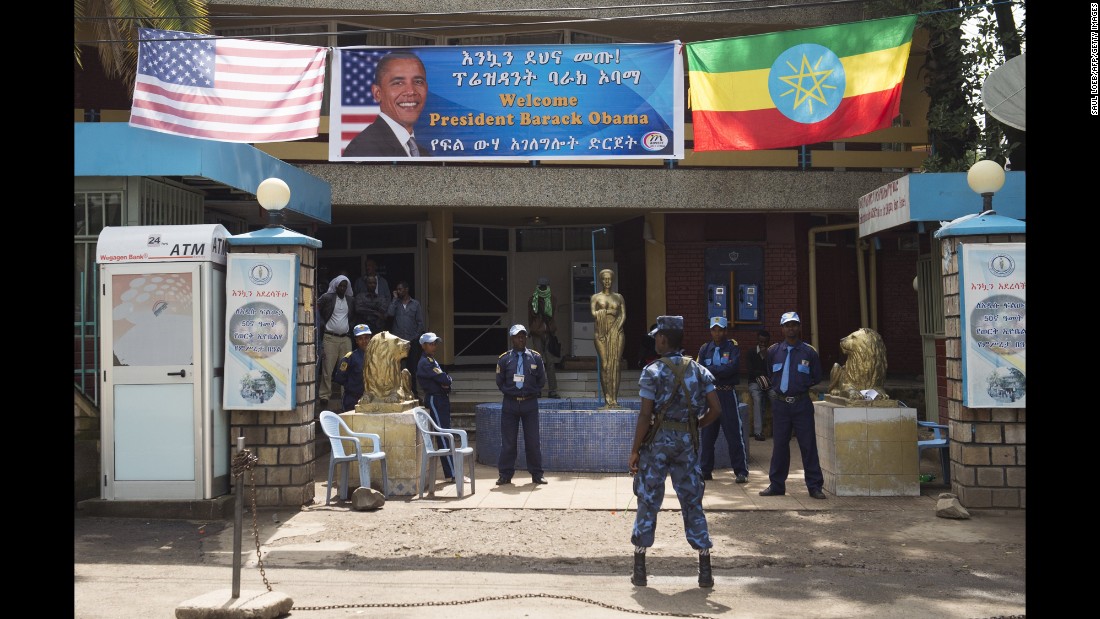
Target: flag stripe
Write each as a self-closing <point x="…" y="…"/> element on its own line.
<point x="255" y="99"/>
<point x="769" y="128"/>
<point x="209" y="133"/>
<point x="866" y="74"/>
<point x="760" y="50"/>
<point x="225" y="115"/>
<point x="234" y="90"/>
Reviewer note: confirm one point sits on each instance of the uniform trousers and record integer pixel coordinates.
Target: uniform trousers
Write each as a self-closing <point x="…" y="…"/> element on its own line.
<point x="796" y="418"/>
<point x="670" y="454"/>
<point x="729" y="422"/>
<point x="512" y="413"/>
<point x="439" y="405"/>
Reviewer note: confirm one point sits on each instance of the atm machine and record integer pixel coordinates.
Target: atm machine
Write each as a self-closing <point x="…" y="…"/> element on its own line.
<point x="165" y="434"/>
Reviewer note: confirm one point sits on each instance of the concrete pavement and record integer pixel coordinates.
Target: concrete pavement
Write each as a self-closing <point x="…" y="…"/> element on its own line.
<point x="128" y="567"/>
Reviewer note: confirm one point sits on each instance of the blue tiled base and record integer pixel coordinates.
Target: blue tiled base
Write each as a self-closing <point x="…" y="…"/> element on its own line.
<point x="576" y="436"/>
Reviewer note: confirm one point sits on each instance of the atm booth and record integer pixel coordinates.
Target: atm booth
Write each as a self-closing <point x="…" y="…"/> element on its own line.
<point x="165" y="434"/>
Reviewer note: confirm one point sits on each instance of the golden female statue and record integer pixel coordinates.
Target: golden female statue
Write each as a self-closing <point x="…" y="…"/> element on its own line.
<point x="609" y="310"/>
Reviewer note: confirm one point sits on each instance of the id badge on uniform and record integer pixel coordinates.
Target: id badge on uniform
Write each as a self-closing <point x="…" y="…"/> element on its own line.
<point x="519" y="380"/>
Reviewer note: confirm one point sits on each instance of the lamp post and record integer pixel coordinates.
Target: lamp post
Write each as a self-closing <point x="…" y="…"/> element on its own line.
<point x="273" y="194"/>
<point x="986" y="178"/>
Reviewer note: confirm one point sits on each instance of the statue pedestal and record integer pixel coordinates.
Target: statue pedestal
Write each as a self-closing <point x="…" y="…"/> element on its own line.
<point x="400" y="441"/>
<point x="867" y="450"/>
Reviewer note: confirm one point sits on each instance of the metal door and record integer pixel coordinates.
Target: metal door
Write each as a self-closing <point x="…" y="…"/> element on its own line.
<point x="152" y="338"/>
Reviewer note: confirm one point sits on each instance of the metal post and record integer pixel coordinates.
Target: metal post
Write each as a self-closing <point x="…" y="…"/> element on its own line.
<point x="596" y="288"/>
<point x="238" y="510"/>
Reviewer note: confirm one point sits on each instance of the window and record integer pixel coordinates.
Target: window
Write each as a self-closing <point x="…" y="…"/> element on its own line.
<point x="94" y="210"/>
<point x="559" y="239"/>
<point x="349" y="35"/>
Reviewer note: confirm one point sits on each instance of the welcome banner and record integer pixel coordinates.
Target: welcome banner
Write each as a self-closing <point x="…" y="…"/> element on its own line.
<point x="508" y="102"/>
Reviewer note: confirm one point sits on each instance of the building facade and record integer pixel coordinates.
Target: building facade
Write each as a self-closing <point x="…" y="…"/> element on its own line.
<point x="471" y="239"/>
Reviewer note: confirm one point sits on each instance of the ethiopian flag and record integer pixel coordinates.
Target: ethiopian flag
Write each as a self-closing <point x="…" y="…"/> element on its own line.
<point x="798" y="87"/>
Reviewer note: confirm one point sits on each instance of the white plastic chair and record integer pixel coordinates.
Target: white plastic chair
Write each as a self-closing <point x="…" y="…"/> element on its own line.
<point x="460" y="453"/>
<point x="338" y="432"/>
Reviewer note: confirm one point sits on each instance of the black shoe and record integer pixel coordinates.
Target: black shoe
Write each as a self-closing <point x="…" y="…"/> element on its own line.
<point x="448" y="480"/>
<point x="741" y="479"/>
<point x="708" y="476"/>
<point x="638" y="578"/>
<point x="758" y="437"/>
<point x="770" y="491"/>
<point x="818" y="494"/>
<point x="539" y="480"/>
<point x="552" y="394"/>
<point x="705" y="577"/>
<point x="501" y="481"/>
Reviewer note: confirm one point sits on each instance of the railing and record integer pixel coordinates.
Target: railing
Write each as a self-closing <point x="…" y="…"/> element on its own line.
<point x="893" y="149"/>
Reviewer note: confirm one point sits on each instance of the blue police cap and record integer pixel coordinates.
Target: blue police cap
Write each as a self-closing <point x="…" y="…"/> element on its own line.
<point x="361" y="330"/>
<point x="668" y="323"/>
<point x="719" y="321"/>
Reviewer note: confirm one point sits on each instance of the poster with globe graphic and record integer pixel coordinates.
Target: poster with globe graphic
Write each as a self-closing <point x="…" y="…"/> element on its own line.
<point x="993" y="317"/>
<point x="260" y="341"/>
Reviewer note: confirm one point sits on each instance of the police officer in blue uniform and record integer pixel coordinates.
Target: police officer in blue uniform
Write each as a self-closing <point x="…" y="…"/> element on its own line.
<point x="437" y="386"/>
<point x="520" y="377"/>
<point x="348" y="373"/>
<point x="723" y="358"/>
<point x="794" y="366"/>
<point x="675" y="393"/>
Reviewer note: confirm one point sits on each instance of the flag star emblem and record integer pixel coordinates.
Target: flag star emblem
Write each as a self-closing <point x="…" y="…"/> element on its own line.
<point x="807" y="82"/>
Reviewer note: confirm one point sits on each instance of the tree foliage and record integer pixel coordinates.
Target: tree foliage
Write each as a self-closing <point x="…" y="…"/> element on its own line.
<point x="114" y="25"/>
<point x="954" y="71"/>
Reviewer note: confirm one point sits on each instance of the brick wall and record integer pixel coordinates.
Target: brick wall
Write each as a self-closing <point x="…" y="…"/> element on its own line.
<point x="786" y="287"/>
<point x="283" y="441"/>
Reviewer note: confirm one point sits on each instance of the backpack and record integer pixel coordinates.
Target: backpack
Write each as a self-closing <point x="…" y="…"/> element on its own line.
<point x="678" y="370"/>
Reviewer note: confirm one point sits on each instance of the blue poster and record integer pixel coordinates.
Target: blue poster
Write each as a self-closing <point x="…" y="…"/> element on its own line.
<point x="507" y="102"/>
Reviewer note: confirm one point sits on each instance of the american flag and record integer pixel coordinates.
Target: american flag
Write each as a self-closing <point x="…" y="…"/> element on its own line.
<point x="357" y="105"/>
<point x="232" y="90"/>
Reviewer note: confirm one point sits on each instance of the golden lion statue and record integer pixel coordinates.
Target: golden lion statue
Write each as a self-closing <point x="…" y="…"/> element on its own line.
<point x="384" y="380"/>
<point x="865" y="368"/>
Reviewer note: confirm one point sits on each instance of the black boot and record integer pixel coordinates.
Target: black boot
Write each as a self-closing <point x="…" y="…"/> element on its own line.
<point x="705" y="577"/>
<point x="638" y="577"/>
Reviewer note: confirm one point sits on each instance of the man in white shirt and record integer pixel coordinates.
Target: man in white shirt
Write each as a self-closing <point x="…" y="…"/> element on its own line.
<point x="333" y="309"/>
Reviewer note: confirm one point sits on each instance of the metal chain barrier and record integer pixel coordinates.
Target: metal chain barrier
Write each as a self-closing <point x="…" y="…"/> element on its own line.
<point x="493" y="598"/>
<point x="519" y="596"/>
<point x="245" y="460"/>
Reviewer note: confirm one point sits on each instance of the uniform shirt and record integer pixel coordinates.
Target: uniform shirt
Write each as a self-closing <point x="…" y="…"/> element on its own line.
<point x="657" y="380"/>
<point x="349" y="372"/>
<point x="729" y="362"/>
<point x="534" y="373"/>
<point x="431" y="378"/>
<point x="805" y="369"/>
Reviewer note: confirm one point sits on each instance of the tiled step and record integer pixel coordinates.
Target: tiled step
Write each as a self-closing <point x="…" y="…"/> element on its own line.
<point x="473" y="387"/>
